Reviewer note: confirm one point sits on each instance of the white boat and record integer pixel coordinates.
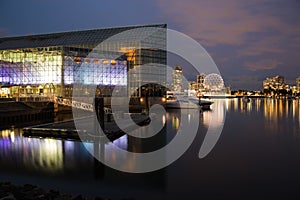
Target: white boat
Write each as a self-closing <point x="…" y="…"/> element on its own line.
<point x="181" y="103"/>
<point x="187" y="102"/>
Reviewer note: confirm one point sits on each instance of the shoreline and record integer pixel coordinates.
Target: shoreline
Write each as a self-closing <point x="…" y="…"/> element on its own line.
<point x="11" y="191"/>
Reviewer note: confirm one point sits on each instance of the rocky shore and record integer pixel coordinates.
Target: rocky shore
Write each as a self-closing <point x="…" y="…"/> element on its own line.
<point x="9" y="191"/>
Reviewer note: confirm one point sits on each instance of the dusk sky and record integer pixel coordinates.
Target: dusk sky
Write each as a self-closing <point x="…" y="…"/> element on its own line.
<point x="248" y="40"/>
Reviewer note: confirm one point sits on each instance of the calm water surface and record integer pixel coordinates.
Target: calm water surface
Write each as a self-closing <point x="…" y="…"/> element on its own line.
<point x="257" y="156"/>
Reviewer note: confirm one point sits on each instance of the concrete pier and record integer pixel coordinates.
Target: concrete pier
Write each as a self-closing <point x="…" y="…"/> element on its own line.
<point x="67" y="129"/>
<point x="19" y="114"/>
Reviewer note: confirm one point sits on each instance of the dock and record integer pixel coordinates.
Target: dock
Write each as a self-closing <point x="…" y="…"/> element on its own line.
<point x="20" y="114"/>
<point x="67" y="129"/>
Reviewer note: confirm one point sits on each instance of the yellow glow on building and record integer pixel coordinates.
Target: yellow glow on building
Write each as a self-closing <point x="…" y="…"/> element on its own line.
<point x="104" y="62"/>
<point x="113" y="62"/>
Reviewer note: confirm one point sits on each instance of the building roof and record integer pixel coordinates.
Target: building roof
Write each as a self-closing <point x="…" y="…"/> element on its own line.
<point x="72" y="38"/>
<point x="177" y="67"/>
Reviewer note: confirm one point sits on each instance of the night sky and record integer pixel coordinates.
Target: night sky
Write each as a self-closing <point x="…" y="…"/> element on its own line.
<point x="248" y="40"/>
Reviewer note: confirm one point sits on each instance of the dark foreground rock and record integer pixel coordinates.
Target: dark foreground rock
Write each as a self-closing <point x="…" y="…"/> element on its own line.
<point x="9" y="191"/>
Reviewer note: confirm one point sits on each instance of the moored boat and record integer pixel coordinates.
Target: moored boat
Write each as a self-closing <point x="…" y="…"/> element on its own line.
<point x="187" y="102"/>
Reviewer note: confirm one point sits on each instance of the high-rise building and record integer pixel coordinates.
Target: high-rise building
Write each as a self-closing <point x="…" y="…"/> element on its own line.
<point x="193" y="85"/>
<point x="298" y="84"/>
<point x="177" y="79"/>
<point x="274" y="83"/>
<point x="200" y="81"/>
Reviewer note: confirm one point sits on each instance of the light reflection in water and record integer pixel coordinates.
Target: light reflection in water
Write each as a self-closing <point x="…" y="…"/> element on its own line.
<point x="214" y="120"/>
<point x="296" y="110"/>
<point x="175" y="122"/>
<point x="164" y="119"/>
<point x="216" y="116"/>
<point x="12" y="136"/>
<point x="257" y="104"/>
<point x="50" y="155"/>
<point x="136" y="145"/>
<point x="32" y="153"/>
<point x="275" y="111"/>
<point x="249" y="107"/>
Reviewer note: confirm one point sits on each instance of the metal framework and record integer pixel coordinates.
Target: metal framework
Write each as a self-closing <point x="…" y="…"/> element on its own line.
<point x="49" y="64"/>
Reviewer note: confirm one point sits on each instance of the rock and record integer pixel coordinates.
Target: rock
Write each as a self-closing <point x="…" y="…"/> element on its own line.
<point x="8" y="191"/>
<point x="78" y="197"/>
<point x="9" y="196"/>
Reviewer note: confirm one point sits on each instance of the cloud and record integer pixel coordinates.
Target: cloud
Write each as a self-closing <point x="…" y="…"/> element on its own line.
<point x="271" y="44"/>
<point x="256" y="36"/>
<point x="228" y="22"/>
<point x="250" y="82"/>
<point x="3" y="32"/>
<point x="265" y="64"/>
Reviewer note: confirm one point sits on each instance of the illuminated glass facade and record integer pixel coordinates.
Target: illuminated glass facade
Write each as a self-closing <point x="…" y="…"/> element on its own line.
<point x="30" y="66"/>
<point x="177" y="79"/>
<point x="48" y="64"/>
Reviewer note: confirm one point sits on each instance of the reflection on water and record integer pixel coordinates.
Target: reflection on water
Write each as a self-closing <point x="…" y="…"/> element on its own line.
<point x="277" y="113"/>
<point x="214" y="120"/>
<point x="175" y="122"/>
<point x="216" y="116"/>
<point x="275" y="109"/>
<point x="271" y="119"/>
<point x="239" y="105"/>
<point x="36" y="154"/>
<point x="54" y="156"/>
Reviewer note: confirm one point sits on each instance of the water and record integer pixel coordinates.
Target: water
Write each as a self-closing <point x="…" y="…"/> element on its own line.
<point x="257" y="155"/>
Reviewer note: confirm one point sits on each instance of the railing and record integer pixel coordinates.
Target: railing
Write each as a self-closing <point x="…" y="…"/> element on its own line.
<point x="79" y="105"/>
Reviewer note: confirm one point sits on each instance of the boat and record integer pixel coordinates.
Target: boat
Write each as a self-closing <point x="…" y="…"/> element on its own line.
<point x="246" y="99"/>
<point x="205" y="105"/>
<point x="181" y="103"/>
<point x="186" y="102"/>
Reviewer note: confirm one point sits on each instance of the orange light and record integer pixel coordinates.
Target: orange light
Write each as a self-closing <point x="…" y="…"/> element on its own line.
<point x="113" y="62"/>
<point x="96" y="62"/>
<point x="104" y="62"/>
<point x="141" y="99"/>
<point x="163" y="99"/>
<point x="77" y="60"/>
<point x="86" y="61"/>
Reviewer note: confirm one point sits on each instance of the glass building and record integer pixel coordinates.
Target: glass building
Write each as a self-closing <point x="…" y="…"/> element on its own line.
<point x="48" y="65"/>
<point x="177" y="84"/>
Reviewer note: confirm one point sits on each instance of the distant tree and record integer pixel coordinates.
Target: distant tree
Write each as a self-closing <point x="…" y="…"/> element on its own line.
<point x="267" y="91"/>
<point x="282" y="92"/>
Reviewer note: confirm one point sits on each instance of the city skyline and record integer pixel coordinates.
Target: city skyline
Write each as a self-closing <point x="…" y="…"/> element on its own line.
<point x="247" y="40"/>
<point x="291" y="83"/>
